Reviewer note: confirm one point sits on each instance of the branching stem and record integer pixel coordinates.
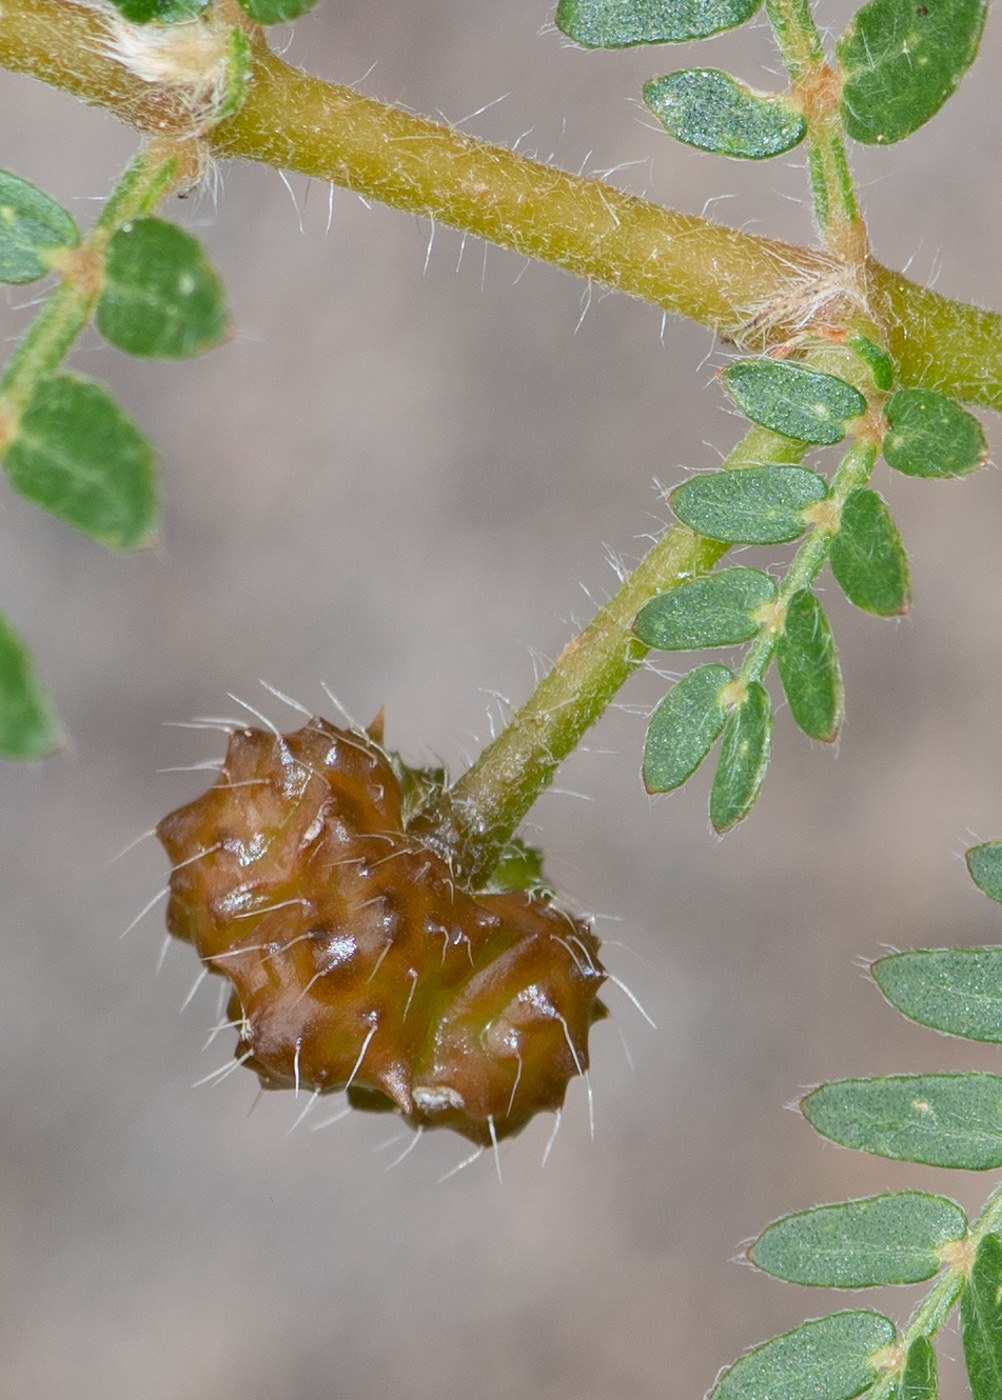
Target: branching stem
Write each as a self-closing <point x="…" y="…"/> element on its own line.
<point x="816" y="89"/>
<point x="151" y="177"/>
<point x="854" y="471"/>
<point x="483" y="809"/>
<point x="754" y="290"/>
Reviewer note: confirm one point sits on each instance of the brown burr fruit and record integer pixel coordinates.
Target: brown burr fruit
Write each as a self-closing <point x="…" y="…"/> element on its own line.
<point x="356" y="961"/>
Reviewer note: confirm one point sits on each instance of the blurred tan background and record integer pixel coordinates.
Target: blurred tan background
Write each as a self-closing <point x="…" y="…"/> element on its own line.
<point x="396" y="480"/>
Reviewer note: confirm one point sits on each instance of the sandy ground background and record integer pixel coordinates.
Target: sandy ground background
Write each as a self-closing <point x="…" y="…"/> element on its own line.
<point x="396" y="481"/>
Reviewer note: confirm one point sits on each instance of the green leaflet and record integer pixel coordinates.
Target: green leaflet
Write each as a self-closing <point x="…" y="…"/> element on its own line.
<point x="161" y="298"/>
<point x="28" y="728"/>
<point x="794" y="400"/>
<point x="901" y="60"/>
<point x="920" y="1380"/>
<point x="744" y="757"/>
<point x="757" y="505"/>
<point x="714" y="611"/>
<point x="941" y="1120"/>
<point x="617" y="24"/>
<point x="32" y="226"/>
<point x="714" y="112"/>
<point x="985" y="866"/>
<point x="808" y="667"/>
<point x="868" y="558"/>
<point x="828" y="1359"/>
<point x="78" y="456"/>
<point x="930" y="435"/>
<point x="164" y="11"/>
<point x="861" y="1244"/>
<point x="881" y="364"/>
<point x="981" y="1321"/>
<point x="277" y="11"/>
<point x="685" y="727"/>
<point x="955" y="990"/>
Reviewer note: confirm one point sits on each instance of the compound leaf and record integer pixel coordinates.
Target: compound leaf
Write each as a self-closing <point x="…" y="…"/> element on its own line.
<point x="712" y="111"/>
<point x="868" y="558"/>
<point x="808" y="667"/>
<point x="28" y="727"/>
<point x="277" y="11"/>
<point x="793" y="400"/>
<point x="685" y="727"/>
<point x="920" y="1379"/>
<point x="901" y="60"/>
<point x="161" y="299"/>
<point x="79" y="457"/>
<point x="954" y="990"/>
<point x="618" y="24"/>
<point x="981" y="1321"/>
<point x="32" y="226"/>
<point x="940" y="1120"/>
<point x="861" y="1244"/>
<point x="744" y="757"/>
<point x="754" y="505"/>
<point x="715" y="611"/>
<point x="932" y="436"/>
<point x="831" y="1358"/>
<point x="985" y="866"/>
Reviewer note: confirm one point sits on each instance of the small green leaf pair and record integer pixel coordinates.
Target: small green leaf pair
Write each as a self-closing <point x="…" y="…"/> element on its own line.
<point x="707" y="703"/>
<point x="77" y="455"/>
<point x="928" y="434"/>
<point x="772" y="505"/>
<point x="899" y="61"/>
<point x="161" y="298"/>
<point x="687" y="724"/>
<point x="724" y="609"/>
<point x="701" y="107"/>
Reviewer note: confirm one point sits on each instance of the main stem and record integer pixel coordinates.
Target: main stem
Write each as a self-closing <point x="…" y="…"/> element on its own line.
<point x="718" y="276"/>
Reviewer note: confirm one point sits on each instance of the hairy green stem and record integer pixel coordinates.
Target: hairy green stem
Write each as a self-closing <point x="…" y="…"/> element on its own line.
<point x="853" y="472"/>
<point x="816" y="88"/>
<point x="144" y="186"/>
<point x="717" y="276"/>
<point x="480" y="813"/>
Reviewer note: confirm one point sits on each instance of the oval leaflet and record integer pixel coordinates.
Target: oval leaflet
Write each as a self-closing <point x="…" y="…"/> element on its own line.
<point x="712" y="111"/>
<point x="794" y="400"/>
<point x="619" y="24"/>
<point x="685" y="727"/>
<point x="715" y="611"/>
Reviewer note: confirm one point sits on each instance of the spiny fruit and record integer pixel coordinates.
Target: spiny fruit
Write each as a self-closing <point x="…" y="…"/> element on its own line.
<point x="356" y="961"/>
